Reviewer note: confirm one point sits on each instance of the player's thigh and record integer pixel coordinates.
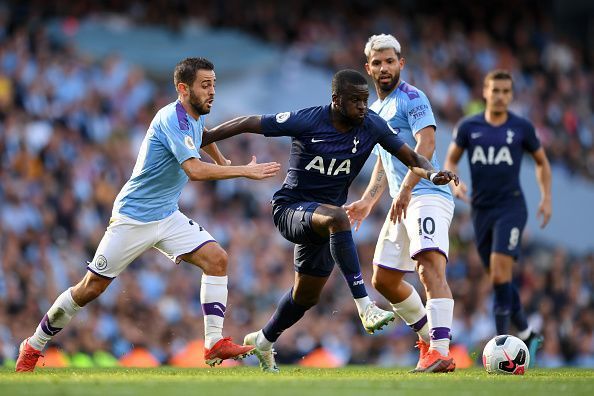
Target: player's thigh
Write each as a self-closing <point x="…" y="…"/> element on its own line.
<point x="507" y="230"/>
<point x="294" y="222"/>
<point x="483" y="221"/>
<point x="124" y="240"/>
<point x="181" y="236"/>
<point x="392" y="251"/>
<point x="427" y="223"/>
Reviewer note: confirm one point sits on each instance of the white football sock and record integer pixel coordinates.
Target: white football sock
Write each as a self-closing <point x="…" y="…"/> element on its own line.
<point x="523" y="335"/>
<point x="213" y="296"/>
<point x="56" y="318"/>
<point x="262" y="342"/>
<point x="440" y="312"/>
<point x="362" y="303"/>
<point x="412" y="311"/>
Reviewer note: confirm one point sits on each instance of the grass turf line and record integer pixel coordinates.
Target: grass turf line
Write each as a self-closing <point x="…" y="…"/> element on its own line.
<point x="246" y="381"/>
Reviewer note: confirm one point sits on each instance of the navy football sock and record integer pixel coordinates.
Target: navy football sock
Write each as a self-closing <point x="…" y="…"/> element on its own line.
<point x="344" y="253"/>
<point x="518" y="316"/>
<point x="286" y="315"/>
<point x="502" y="307"/>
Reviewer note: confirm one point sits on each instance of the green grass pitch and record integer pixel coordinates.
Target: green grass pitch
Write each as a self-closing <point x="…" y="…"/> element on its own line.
<point x="353" y="380"/>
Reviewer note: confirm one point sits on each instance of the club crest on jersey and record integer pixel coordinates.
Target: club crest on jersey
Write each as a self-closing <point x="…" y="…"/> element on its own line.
<point x="318" y="164"/>
<point x="355" y="143"/>
<point x="282" y="117"/>
<point x="101" y="262"/>
<point x="510" y="136"/>
<point x="189" y="142"/>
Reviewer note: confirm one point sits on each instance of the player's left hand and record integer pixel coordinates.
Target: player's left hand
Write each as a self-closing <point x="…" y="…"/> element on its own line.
<point x="399" y="205"/>
<point x="444" y="177"/>
<point x="544" y="212"/>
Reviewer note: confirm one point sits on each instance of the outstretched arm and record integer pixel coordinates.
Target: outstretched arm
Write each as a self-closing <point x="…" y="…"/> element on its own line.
<point x="543" y="177"/>
<point x="246" y="124"/>
<point x="198" y="170"/>
<point x="421" y="167"/>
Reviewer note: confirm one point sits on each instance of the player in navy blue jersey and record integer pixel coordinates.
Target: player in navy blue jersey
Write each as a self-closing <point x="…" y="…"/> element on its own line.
<point x="330" y="145"/>
<point x="496" y="141"/>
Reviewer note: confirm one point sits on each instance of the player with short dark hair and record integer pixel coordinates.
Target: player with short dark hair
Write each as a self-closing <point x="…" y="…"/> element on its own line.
<point x="496" y="140"/>
<point x="415" y="233"/>
<point x="146" y="215"/>
<point x="330" y="145"/>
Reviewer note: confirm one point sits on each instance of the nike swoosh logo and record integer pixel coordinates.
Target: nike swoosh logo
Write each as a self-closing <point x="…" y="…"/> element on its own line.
<point x="219" y="308"/>
<point x="357" y="277"/>
<point x="510" y="364"/>
<point x="475" y="135"/>
<point x="316" y="140"/>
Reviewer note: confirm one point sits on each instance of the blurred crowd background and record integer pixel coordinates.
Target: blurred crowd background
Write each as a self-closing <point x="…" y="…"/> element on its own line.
<point x="71" y="124"/>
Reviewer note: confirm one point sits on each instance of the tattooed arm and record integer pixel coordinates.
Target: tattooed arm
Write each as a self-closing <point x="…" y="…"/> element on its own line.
<point x="359" y="210"/>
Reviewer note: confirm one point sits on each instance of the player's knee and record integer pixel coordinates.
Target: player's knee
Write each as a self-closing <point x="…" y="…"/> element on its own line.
<point x="429" y="274"/>
<point x="89" y="289"/>
<point x="379" y="283"/>
<point x="217" y="263"/>
<point x="339" y="221"/>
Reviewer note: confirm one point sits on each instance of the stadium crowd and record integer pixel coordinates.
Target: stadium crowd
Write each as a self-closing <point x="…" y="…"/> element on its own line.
<point x="70" y="129"/>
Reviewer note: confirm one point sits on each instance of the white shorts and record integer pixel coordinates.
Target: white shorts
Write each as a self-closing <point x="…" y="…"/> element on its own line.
<point x="125" y="239"/>
<point x="426" y="227"/>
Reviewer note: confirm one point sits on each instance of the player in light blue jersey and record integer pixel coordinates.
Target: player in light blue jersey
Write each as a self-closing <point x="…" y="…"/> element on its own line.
<point x="146" y="215"/>
<point x="415" y="233"/>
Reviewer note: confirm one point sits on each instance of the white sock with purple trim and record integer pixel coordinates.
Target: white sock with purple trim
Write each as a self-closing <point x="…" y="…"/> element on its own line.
<point x="440" y="312"/>
<point x="413" y="312"/>
<point x="213" y="296"/>
<point x="56" y="318"/>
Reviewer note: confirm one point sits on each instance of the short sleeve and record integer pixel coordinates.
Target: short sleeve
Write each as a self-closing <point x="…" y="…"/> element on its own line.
<point x="530" y="143"/>
<point x="387" y="137"/>
<point x="420" y="114"/>
<point x="460" y="134"/>
<point x="288" y="123"/>
<point x="177" y="140"/>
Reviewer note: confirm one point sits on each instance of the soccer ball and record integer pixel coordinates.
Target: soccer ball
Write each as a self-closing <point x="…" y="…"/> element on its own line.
<point x="506" y="354"/>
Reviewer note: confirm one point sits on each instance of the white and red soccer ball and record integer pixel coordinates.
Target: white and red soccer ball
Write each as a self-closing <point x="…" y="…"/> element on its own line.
<point x="506" y="354"/>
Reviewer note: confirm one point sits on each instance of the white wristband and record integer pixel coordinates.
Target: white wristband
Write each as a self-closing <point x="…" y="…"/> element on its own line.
<point x="432" y="176"/>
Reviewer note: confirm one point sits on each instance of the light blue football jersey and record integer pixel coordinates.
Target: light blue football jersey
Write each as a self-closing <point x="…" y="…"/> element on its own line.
<point x="153" y="191"/>
<point x="407" y="111"/>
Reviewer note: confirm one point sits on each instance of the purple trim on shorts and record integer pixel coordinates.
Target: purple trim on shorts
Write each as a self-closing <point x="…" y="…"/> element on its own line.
<point x="393" y="269"/>
<point x="439" y="333"/>
<point x="214" y="308"/>
<point x="412" y="256"/>
<point x="177" y="259"/>
<point x="419" y="325"/>
<point x="98" y="274"/>
<point x="47" y="327"/>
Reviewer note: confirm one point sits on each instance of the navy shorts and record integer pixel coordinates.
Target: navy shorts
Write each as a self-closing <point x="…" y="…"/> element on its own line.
<point x="312" y="251"/>
<point x="499" y="229"/>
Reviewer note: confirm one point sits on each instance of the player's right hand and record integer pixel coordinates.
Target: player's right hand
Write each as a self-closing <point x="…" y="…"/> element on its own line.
<point x="357" y="212"/>
<point x="460" y="191"/>
<point x="265" y="170"/>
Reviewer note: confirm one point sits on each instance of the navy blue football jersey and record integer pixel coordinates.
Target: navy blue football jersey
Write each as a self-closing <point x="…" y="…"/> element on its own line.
<point x="324" y="161"/>
<point x="495" y="156"/>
